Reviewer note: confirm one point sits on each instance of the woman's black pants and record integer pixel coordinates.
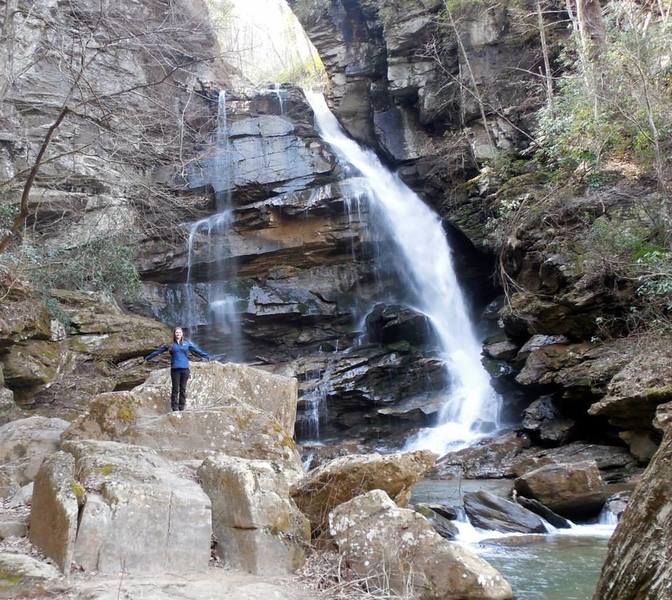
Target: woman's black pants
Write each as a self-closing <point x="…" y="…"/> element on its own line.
<point x="178" y="396"/>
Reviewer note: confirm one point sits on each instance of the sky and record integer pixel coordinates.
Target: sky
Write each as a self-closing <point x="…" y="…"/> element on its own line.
<point x="268" y="41"/>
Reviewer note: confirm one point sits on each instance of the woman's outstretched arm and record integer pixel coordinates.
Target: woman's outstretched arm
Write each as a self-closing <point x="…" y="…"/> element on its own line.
<point x="159" y="350"/>
<point x="196" y="350"/>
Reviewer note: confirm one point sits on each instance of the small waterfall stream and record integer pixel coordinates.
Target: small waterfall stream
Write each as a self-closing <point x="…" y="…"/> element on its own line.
<point x="421" y="245"/>
<point x="220" y="297"/>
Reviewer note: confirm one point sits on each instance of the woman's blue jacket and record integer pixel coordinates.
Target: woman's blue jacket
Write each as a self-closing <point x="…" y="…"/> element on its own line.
<point x="179" y="353"/>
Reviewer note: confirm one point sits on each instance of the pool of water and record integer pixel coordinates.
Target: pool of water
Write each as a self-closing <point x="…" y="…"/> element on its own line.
<point x="563" y="565"/>
<point x="556" y="567"/>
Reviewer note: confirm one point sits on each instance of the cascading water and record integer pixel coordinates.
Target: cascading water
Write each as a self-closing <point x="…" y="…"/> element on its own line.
<point x="422" y="247"/>
<point x="222" y="318"/>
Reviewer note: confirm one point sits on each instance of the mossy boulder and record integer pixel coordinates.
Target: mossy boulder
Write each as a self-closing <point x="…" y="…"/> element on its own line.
<point x="22" y="317"/>
<point x="343" y="478"/>
<point x="231" y="409"/>
<point x="36" y="363"/>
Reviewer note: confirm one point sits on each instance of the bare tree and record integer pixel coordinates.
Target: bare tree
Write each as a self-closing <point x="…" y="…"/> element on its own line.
<point x="128" y="73"/>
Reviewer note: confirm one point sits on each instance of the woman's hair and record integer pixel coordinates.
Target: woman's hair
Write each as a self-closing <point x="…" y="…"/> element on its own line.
<point x="174" y="330"/>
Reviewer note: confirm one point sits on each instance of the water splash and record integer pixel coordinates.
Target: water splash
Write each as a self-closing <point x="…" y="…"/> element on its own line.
<point x="421" y="245"/>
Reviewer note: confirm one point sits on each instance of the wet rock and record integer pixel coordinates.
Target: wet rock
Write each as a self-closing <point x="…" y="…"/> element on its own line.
<point x="491" y="457"/>
<point x="25" y="576"/>
<point x="389" y="323"/>
<point x="257" y="526"/>
<point x="23" y="445"/>
<point x="582" y="371"/>
<point x="544" y="421"/>
<point x="574" y="490"/>
<point x="501" y="350"/>
<point x="448" y="512"/>
<point x="386" y="544"/>
<point x="137" y="511"/>
<point x="637" y="563"/>
<point x="55" y="509"/>
<point x="488" y="511"/>
<point x="441" y="524"/>
<point x="341" y="479"/>
<point x="543" y="511"/>
<point x="618" y="502"/>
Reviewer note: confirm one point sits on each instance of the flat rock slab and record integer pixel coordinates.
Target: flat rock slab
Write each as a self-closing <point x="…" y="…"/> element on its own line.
<point x="214" y="584"/>
<point x="231" y="409"/>
<point x="488" y="511"/>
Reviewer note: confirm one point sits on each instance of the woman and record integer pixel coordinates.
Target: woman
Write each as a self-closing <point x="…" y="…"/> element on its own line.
<point x="179" y="365"/>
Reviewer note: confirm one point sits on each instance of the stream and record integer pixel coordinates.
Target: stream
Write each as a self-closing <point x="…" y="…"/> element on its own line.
<point x="563" y="565"/>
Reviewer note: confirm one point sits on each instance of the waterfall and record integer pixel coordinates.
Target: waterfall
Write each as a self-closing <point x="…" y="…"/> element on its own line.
<point x="422" y="248"/>
<point x="222" y="317"/>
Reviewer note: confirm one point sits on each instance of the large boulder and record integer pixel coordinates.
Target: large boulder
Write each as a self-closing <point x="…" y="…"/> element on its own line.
<point x="396" y="549"/>
<point x="127" y="509"/>
<point x="22" y="576"/>
<point x="570" y="489"/>
<point x="489" y="457"/>
<point x="55" y="508"/>
<point x="230" y="410"/>
<point x="219" y="384"/>
<point x="638" y="562"/>
<point x="257" y="526"/>
<point x="23" y="445"/>
<point x="488" y="511"/>
<point x="343" y="478"/>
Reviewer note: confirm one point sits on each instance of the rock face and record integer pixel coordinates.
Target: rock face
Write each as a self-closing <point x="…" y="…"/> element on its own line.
<point x="546" y="423"/>
<point x="57" y="372"/>
<point x="488" y="511"/>
<point x="392" y="94"/>
<point x="111" y="507"/>
<point x="638" y="562"/>
<point x="257" y="526"/>
<point x="23" y="445"/>
<point x="571" y="489"/>
<point x="397" y="549"/>
<point x="341" y="479"/>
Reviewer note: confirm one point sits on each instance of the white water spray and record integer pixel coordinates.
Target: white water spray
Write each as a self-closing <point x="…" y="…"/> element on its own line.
<point x="421" y="241"/>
